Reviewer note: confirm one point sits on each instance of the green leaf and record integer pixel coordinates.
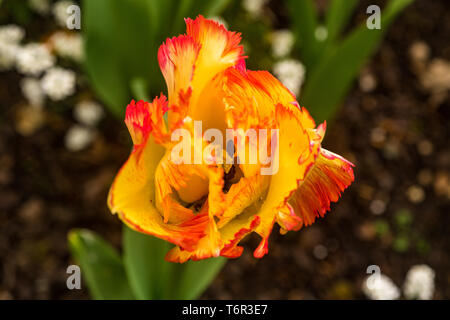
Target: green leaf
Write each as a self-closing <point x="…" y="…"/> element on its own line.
<point x="337" y="16"/>
<point x="183" y="11"/>
<point x="305" y="23"/>
<point x="101" y="266"/>
<point x="330" y="81"/>
<point x="102" y="56"/>
<point x="122" y="38"/>
<point x="195" y="277"/>
<point x="215" y="7"/>
<point x="149" y="274"/>
<point x="119" y="47"/>
<point x="152" y="277"/>
<point x="139" y="89"/>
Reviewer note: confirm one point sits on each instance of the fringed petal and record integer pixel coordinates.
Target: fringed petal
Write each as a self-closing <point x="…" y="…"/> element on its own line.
<point x="137" y="119"/>
<point x="263" y="247"/>
<point x="288" y="220"/>
<point x="143" y="118"/>
<point x="329" y="177"/>
<point x="177" y="57"/>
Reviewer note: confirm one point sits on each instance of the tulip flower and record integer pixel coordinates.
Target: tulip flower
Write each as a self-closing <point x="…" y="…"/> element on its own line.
<point x="205" y="208"/>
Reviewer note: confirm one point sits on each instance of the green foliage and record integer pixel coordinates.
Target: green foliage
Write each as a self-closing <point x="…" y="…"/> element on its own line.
<point x="403" y="219"/>
<point x="304" y="24"/>
<point x="122" y="38"/>
<point x="401" y="243"/>
<point x="151" y="277"/>
<point x="382" y="227"/>
<point x="333" y="64"/>
<point x="19" y="11"/>
<point x="143" y="273"/>
<point x="101" y="265"/>
<point x="146" y="268"/>
<point x="423" y="246"/>
<point x="195" y="277"/>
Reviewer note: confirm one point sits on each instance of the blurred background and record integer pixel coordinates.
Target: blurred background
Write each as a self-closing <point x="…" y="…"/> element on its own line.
<point x="385" y="97"/>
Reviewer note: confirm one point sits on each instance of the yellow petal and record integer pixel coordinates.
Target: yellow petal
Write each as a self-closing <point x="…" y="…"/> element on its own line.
<point x="234" y="231"/>
<point x="241" y="195"/>
<point x="219" y="50"/>
<point x="187" y="179"/>
<point x="296" y="155"/>
<point x="207" y="247"/>
<point x="132" y="197"/>
<point x="251" y="98"/>
<point x="190" y="62"/>
<point x="256" y="99"/>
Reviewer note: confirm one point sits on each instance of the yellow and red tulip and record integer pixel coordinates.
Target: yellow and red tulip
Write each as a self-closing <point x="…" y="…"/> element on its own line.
<point x="206" y="209"/>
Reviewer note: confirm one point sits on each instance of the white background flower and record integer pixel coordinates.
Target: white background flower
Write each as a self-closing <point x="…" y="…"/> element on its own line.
<point x="78" y="137"/>
<point x="10" y="37"/>
<point x="11" y="33"/>
<point x="88" y="112"/>
<point x="291" y="73"/>
<point x="380" y="287"/>
<point x="34" y="58"/>
<point x="40" y="6"/>
<point x="282" y="42"/>
<point x="32" y="91"/>
<point x="58" y="83"/>
<point x="254" y="7"/>
<point x="60" y="12"/>
<point x="68" y="45"/>
<point x="419" y="283"/>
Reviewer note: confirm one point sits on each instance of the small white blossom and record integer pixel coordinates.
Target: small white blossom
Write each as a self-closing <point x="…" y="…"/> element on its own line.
<point x="40" y="6"/>
<point x="380" y="287"/>
<point x="88" y="112"/>
<point x="10" y="37"/>
<point x="419" y="283"/>
<point x="254" y="7"/>
<point x="68" y="45"/>
<point x="282" y="42"/>
<point x="34" y="58"/>
<point x="32" y="91"/>
<point x="8" y="55"/>
<point x="11" y="34"/>
<point x="58" y="83"/>
<point x="60" y="12"/>
<point x="78" y="137"/>
<point x="291" y="73"/>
